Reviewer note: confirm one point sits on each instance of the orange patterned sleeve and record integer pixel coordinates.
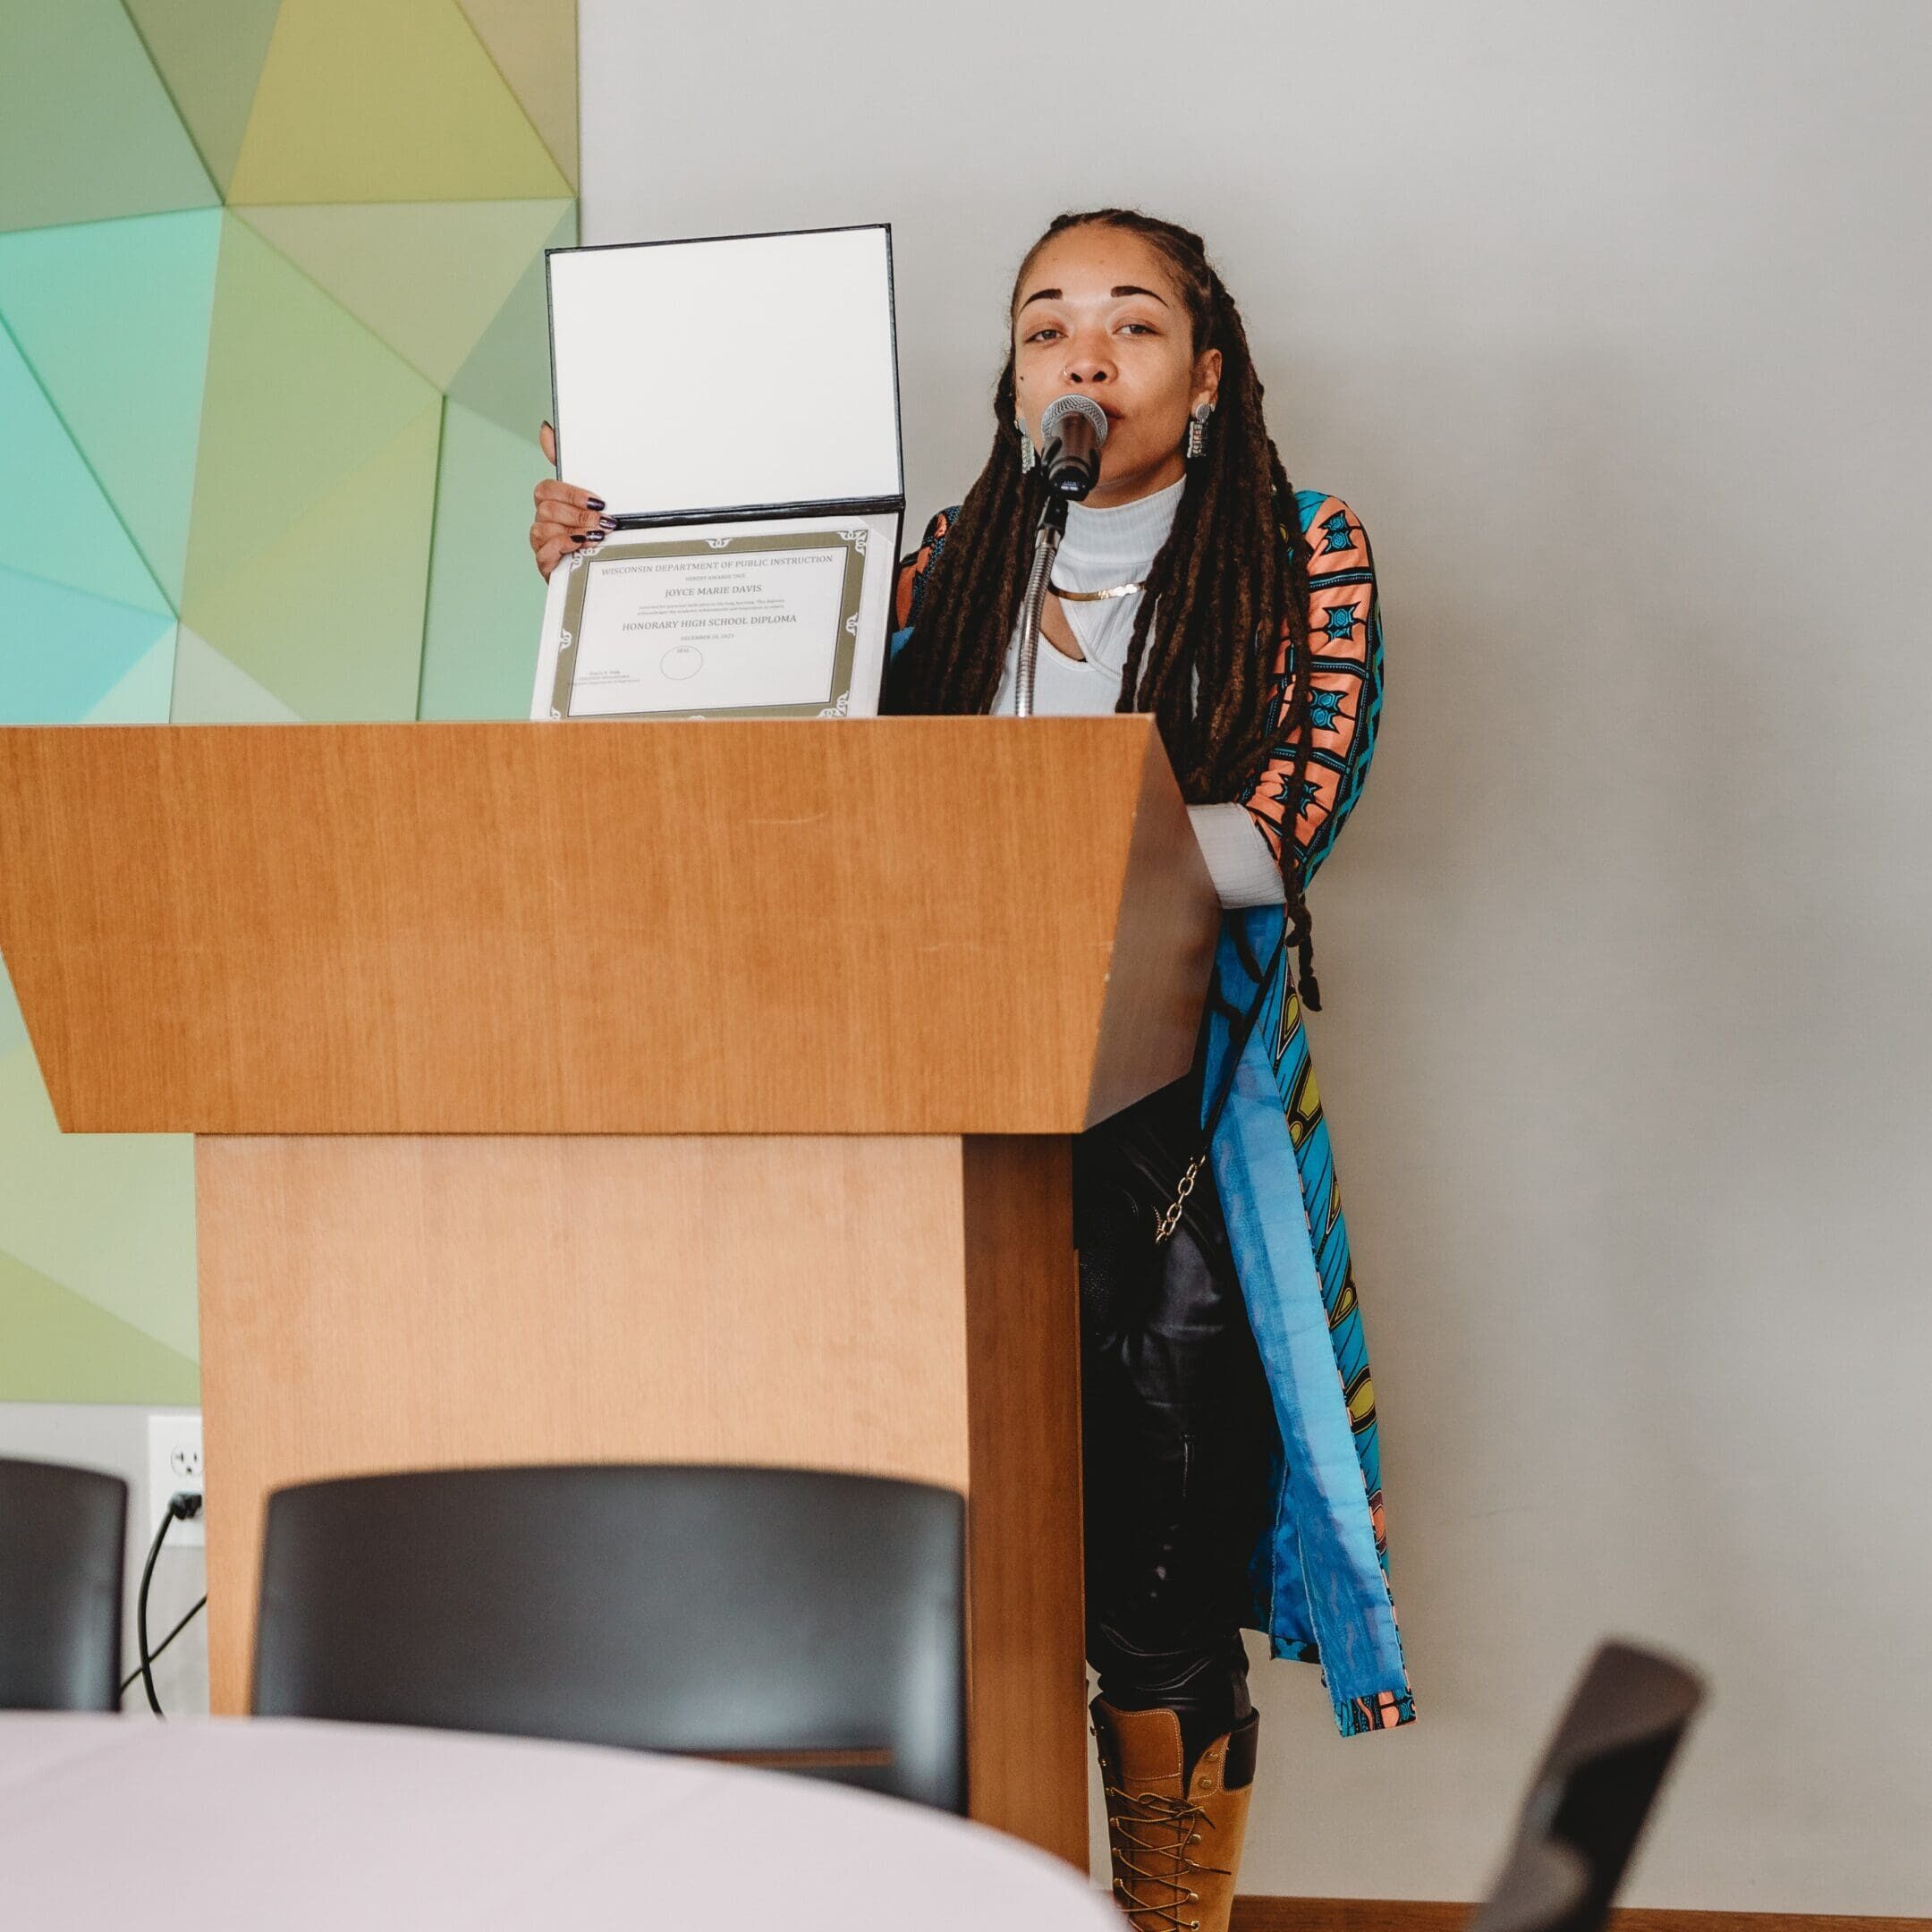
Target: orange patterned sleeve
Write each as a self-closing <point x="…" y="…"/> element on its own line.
<point x="1345" y="687"/>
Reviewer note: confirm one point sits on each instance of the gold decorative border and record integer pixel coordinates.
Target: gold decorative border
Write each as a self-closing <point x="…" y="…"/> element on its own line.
<point x="620" y="548"/>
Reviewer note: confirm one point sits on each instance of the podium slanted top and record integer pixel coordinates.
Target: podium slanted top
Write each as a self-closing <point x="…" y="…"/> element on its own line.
<point x="897" y="925"/>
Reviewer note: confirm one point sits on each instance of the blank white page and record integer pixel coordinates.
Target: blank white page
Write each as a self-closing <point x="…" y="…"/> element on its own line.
<point x="729" y="374"/>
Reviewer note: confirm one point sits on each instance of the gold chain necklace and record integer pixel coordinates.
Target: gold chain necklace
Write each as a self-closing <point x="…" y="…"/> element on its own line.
<point x="1094" y="597"/>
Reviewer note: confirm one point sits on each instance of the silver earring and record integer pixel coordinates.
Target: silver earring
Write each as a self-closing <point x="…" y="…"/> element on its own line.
<point x="1028" y="455"/>
<point x="1197" y="430"/>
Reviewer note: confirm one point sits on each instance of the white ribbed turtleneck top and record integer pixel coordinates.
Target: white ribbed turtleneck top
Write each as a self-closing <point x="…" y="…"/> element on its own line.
<point x="1103" y="548"/>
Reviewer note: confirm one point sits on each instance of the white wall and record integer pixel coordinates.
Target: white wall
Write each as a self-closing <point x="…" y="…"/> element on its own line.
<point x="106" y="1437"/>
<point x="1608" y="321"/>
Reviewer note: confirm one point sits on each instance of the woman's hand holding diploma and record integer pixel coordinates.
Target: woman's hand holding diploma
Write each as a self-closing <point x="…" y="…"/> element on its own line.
<point x="568" y="519"/>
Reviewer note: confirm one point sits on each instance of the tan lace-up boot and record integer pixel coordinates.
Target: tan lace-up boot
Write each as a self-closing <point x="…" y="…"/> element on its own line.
<point x="1175" y="1848"/>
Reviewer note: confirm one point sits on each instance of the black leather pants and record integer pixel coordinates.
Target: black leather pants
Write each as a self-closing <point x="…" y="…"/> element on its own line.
<point x="1178" y="1425"/>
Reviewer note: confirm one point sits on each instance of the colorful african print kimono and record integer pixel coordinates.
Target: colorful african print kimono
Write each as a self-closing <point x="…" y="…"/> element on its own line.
<point x="1319" y="1575"/>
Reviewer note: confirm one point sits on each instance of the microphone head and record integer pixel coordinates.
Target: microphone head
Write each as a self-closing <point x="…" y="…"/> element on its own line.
<point x="1072" y="427"/>
<point x="1055" y="415"/>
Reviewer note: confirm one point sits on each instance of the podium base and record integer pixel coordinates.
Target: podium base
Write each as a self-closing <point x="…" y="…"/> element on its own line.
<point x="902" y="1306"/>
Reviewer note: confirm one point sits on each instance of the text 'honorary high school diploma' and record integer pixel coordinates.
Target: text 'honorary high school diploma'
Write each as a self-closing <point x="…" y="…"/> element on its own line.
<point x="661" y="625"/>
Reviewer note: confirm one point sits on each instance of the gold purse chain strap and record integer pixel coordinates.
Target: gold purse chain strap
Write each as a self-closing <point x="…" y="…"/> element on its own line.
<point x="1169" y="1218"/>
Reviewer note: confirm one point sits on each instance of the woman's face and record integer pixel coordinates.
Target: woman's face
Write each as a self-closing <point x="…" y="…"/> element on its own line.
<point x="1099" y="315"/>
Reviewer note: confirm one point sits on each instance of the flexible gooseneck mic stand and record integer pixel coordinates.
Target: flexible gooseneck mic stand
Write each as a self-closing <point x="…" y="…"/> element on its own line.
<point x="1072" y="428"/>
<point x="1052" y="527"/>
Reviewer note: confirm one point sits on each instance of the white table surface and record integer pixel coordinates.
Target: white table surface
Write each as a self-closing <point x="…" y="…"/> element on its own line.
<point x="223" y="1823"/>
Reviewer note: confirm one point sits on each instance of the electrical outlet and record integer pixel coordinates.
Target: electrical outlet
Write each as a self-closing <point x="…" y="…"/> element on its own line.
<point x="174" y="1463"/>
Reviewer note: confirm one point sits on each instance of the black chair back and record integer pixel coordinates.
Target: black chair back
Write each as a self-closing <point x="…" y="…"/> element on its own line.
<point x="1594" y="1790"/>
<point x="63" y="1536"/>
<point x="1544" y="1885"/>
<point x="789" y="1617"/>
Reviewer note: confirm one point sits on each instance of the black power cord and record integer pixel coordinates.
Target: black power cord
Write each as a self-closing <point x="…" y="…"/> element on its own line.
<point x="134" y="1676"/>
<point x="183" y="1504"/>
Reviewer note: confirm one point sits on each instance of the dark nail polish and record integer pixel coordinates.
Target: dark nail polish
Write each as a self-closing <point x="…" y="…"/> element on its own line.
<point x="597" y="502"/>
<point x="609" y="522"/>
<point x="589" y="536"/>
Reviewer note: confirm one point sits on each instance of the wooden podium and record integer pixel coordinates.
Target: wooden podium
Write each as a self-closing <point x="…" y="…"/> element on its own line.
<point x="631" y="1092"/>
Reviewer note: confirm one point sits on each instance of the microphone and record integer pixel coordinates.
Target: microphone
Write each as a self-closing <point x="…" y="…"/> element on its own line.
<point x="1071" y="427"/>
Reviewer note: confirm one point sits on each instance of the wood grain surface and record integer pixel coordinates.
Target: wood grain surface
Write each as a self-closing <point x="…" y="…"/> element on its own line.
<point x="404" y="1302"/>
<point x="1027" y="1613"/>
<point x="890" y="926"/>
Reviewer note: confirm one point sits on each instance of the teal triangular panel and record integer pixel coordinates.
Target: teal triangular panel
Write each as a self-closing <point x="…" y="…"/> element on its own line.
<point x="143" y="694"/>
<point x="113" y="317"/>
<point x="62" y="651"/>
<point x="54" y="522"/>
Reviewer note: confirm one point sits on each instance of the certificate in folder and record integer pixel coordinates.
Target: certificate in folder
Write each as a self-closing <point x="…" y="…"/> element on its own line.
<point x="736" y="404"/>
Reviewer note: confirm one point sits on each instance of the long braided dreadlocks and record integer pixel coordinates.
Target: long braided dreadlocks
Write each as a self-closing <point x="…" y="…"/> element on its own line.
<point x="1231" y="576"/>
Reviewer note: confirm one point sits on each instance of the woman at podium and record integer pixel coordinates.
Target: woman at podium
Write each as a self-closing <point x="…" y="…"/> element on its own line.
<point x="1231" y="1466"/>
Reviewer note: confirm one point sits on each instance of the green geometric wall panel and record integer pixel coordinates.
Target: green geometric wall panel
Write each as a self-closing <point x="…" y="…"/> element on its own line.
<point x="136" y="1262"/>
<point x="130" y="398"/>
<point x="425" y="278"/>
<point x="273" y="351"/>
<point x="333" y="644"/>
<point x="13" y="1028"/>
<point x="290" y="576"/>
<point x="534" y="44"/>
<point x="87" y="130"/>
<point x="475" y="665"/>
<point x="213" y="690"/>
<point x="59" y="1347"/>
<point x="387" y="100"/>
<point x="209" y="56"/>
<point x="500" y="378"/>
<point x="484" y="604"/>
<point x="300" y="394"/>
<point x="97" y="1250"/>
